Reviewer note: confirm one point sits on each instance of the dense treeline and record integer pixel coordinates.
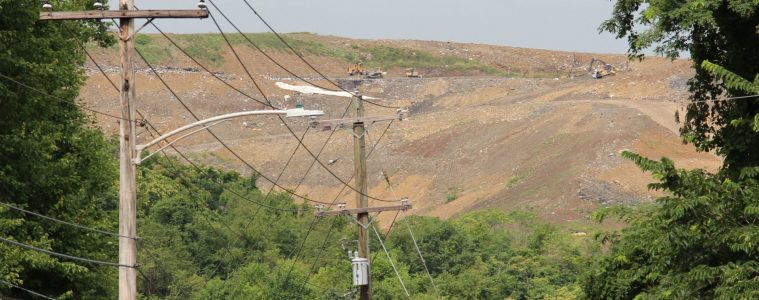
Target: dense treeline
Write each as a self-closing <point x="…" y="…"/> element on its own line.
<point x="205" y="236"/>
<point x="207" y="233"/>
<point x="699" y="241"/>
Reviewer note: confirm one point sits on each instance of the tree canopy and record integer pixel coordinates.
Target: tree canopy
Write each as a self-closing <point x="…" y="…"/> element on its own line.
<point x="724" y="32"/>
<point x="699" y="240"/>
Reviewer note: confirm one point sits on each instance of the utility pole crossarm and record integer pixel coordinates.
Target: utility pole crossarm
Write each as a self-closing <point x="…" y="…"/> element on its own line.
<point x="118" y="14"/>
<point x="344" y="123"/>
<point x="127" y="138"/>
<point x="352" y="211"/>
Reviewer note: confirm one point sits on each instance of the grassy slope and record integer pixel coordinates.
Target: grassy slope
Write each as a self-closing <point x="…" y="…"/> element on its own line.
<point x="209" y="48"/>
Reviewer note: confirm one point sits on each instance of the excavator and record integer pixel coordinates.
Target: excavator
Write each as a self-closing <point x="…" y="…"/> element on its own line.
<point x="600" y="69"/>
<point x="357" y="69"/>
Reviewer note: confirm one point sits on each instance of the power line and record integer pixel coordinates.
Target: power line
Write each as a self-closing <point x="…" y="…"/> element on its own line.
<point x="337" y="196"/>
<point x="252" y="98"/>
<point x="26" y="290"/>
<point x="199" y="169"/>
<point x="264" y="52"/>
<point x="52" y="253"/>
<point x="235" y="154"/>
<point x="392" y="264"/>
<point x="229" y="44"/>
<point x="206" y="68"/>
<point x="58" y="99"/>
<point x="411" y="233"/>
<point x="299" y="55"/>
<point x="65" y="222"/>
<point x="424" y="262"/>
<point x="156" y="130"/>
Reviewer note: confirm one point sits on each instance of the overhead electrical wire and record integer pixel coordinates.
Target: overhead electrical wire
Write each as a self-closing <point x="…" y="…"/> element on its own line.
<point x="61" y="255"/>
<point x="299" y="55"/>
<point x="199" y="169"/>
<point x="234" y="153"/>
<point x="390" y="259"/>
<point x="65" y="222"/>
<point x="269" y="57"/>
<point x="411" y="233"/>
<point x="26" y="290"/>
<point x="337" y="196"/>
<point x="97" y="65"/>
<point x="266" y="104"/>
<point x="239" y="60"/>
<point x="421" y="257"/>
<point x="58" y="99"/>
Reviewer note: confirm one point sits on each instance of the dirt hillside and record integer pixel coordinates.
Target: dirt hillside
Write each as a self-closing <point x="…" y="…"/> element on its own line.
<point x="490" y="127"/>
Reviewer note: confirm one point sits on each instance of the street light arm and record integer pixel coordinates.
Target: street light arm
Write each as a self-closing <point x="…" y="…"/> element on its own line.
<point x="297" y="112"/>
<point x="139" y="157"/>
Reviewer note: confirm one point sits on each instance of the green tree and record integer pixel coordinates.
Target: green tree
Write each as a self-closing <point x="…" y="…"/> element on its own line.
<point x="699" y="240"/>
<point x="51" y="161"/>
<point x="725" y="32"/>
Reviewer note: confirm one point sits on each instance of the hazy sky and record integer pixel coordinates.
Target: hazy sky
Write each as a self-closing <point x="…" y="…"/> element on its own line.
<point x="569" y="25"/>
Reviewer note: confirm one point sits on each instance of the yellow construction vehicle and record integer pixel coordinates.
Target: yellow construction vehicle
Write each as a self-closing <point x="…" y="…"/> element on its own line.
<point x="357" y="69"/>
<point x="600" y="69"/>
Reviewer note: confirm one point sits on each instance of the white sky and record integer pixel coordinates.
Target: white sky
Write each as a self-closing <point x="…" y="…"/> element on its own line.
<point x="569" y="25"/>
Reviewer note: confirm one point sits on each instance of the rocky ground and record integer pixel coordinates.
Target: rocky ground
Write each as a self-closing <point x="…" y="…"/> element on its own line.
<point x="547" y="143"/>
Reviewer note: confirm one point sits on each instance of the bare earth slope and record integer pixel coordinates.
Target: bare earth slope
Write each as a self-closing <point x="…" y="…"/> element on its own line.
<point x="478" y="138"/>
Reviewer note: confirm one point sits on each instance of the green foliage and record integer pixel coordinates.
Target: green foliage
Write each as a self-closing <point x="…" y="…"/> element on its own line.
<point x="204" y="242"/>
<point x="722" y="32"/>
<point x="513" y="180"/>
<point x="210" y="48"/>
<point x="452" y="194"/>
<point x="51" y="161"/>
<point x="698" y="242"/>
<point x="152" y="52"/>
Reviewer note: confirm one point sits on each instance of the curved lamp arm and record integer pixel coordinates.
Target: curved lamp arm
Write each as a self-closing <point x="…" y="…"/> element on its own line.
<point x="296" y="112"/>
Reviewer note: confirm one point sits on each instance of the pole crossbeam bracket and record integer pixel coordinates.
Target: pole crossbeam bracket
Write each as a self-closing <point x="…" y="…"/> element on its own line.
<point x="352" y="211"/>
<point x="348" y="122"/>
<point x="117" y="14"/>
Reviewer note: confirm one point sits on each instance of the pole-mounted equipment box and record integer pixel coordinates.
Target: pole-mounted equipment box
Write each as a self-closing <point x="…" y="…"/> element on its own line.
<point x="360" y="271"/>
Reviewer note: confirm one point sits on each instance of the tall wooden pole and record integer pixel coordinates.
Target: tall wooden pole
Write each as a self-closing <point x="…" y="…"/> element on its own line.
<point x="127" y="186"/>
<point x="127" y="139"/>
<point x="359" y="152"/>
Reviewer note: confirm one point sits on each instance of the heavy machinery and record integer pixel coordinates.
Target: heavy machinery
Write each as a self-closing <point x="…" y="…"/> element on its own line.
<point x="376" y="74"/>
<point x="411" y="72"/>
<point x="600" y="69"/>
<point x="357" y="69"/>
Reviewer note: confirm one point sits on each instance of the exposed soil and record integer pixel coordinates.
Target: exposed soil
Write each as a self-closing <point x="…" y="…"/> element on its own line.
<point x="472" y="142"/>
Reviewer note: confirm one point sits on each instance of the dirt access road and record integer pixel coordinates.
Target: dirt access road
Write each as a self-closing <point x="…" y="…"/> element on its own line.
<point x="473" y="141"/>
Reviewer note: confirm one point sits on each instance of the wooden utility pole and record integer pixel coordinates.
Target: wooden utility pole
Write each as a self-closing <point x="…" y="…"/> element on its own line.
<point x="127" y="139"/>
<point x="127" y="177"/>
<point x="362" y="209"/>
<point x="362" y="201"/>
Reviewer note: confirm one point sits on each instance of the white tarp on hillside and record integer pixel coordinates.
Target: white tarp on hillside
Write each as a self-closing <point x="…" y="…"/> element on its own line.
<point x="315" y="90"/>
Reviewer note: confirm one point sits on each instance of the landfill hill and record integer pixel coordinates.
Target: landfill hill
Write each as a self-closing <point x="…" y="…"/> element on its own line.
<point x="490" y="127"/>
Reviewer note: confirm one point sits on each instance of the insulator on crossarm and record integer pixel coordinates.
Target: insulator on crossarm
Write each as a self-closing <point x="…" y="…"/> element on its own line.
<point x="202" y="4"/>
<point x="46" y="5"/>
<point x="98" y="5"/>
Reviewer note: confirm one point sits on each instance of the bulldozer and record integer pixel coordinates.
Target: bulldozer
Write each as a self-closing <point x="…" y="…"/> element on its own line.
<point x="600" y="69"/>
<point x="357" y="69"/>
<point x="411" y="72"/>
